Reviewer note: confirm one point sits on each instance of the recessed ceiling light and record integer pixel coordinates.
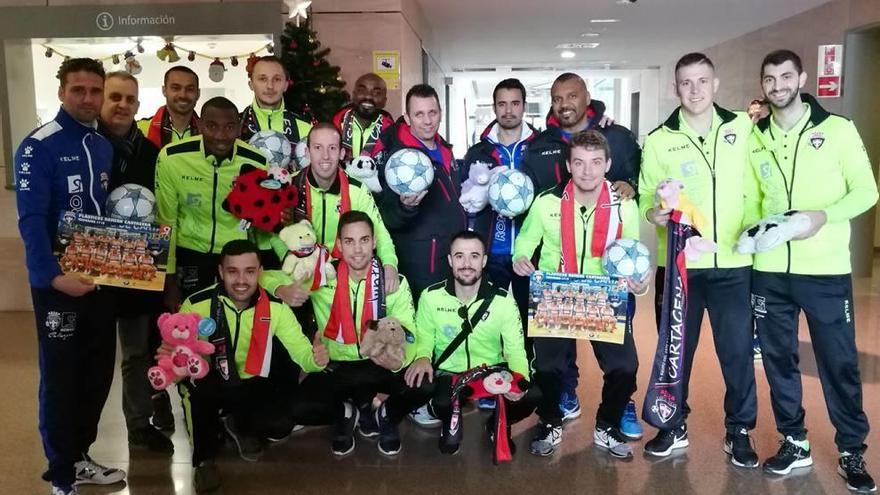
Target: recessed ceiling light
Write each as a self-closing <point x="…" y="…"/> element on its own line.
<point x="567" y="54"/>
<point x="603" y="21"/>
<point x="589" y="35"/>
<point x="571" y="46"/>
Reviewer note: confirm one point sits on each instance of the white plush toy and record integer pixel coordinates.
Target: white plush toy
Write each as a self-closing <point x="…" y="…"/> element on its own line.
<point x="771" y="232"/>
<point x="364" y="169"/>
<point x="475" y="190"/>
<point x="301" y="154"/>
<point x="304" y="254"/>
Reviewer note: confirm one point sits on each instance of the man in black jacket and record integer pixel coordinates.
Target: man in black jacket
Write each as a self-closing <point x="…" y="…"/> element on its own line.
<point x="134" y="162"/>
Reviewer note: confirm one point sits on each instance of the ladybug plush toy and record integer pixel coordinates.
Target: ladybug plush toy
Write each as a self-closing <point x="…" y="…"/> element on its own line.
<point x="258" y="196"/>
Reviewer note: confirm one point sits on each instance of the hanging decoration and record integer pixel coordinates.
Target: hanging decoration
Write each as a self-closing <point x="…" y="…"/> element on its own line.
<point x="132" y="66"/>
<point x="298" y="9"/>
<point x="216" y="71"/>
<point x="168" y="53"/>
<point x="233" y="61"/>
<point x="251" y="61"/>
<point x="191" y="57"/>
<point x="49" y="52"/>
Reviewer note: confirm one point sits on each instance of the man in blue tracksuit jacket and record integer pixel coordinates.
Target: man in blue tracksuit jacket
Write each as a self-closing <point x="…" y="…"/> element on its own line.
<point x="65" y="165"/>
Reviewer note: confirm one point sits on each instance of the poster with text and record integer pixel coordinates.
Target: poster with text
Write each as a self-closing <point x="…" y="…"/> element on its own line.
<point x="574" y="306"/>
<point x="113" y="252"/>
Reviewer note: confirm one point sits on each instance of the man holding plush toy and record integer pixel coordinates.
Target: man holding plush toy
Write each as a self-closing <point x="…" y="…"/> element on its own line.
<point x="465" y="322"/>
<point x="811" y="161"/>
<point x="704" y="148"/>
<point x="348" y="308"/>
<point x="246" y="324"/>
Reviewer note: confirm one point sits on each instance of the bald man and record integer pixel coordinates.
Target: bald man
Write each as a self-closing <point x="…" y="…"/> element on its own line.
<point x="361" y="121"/>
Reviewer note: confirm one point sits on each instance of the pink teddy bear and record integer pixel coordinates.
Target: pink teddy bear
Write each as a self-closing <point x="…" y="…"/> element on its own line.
<point x="180" y="331"/>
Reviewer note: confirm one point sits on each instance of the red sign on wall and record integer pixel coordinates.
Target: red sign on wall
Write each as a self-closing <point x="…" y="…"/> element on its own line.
<point x="828" y="86"/>
<point x="828" y="71"/>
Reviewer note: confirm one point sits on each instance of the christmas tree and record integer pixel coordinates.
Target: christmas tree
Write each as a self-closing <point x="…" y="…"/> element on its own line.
<point x="317" y="91"/>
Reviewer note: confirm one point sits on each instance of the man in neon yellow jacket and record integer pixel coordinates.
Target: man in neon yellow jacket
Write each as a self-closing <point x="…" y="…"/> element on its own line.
<point x="269" y="79"/>
<point x="809" y="160"/>
<point x="706" y="148"/>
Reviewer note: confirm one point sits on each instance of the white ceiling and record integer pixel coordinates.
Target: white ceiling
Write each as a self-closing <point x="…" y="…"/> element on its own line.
<point x="472" y="34"/>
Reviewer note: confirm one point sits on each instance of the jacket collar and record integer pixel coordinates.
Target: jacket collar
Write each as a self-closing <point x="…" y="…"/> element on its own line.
<point x="334" y="188"/>
<point x="490" y="134"/>
<point x="485" y="286"/>
<point x="673" y="123"/>
<point x="817" y="113"/>
<point x="69" y="123"/>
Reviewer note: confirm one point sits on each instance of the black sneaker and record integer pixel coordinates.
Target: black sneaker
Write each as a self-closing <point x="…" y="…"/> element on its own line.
<point x="163" y="418"/>
<point x="738" y="446"/>
<point x="667" y="440"/>
<point x="367" y="426"/>
<point x="389" y="437"/>
<point x="343" y="438"/>
<point x="852" y="468"/>
<point x="249" y="448"/>
<point x="205" y="477"/>
<point x="792" y="454"/>
<point x="150" y="438"/>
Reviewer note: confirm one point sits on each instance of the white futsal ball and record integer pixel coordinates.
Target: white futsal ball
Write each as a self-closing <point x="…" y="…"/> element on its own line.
<point x="511" y="193"/>
<point x="409" y="171"/>
<point x="132" y="202"/>
<point x="627" y="258"/>
<point x="274" y="146"/>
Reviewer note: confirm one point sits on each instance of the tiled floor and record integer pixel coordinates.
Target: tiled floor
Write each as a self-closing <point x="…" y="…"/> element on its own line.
<point x="304" y="464"/>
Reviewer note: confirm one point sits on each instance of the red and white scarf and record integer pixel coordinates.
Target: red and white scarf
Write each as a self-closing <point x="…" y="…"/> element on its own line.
<point x="607" y="226"/>
<point x="259" y="355"/>
<point x="340" y="326"/>
<point x="344" y="201"/>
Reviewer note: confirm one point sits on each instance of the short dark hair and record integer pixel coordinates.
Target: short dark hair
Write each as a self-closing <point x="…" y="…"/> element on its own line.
<point x="780" y="57"/>
<point x="121" y="74"/>
<point x="238" y="247"/>
<point x="220" y="103"/>
<point x="421" y="91"/>
<point x="272" y="59"/>
<point x="468" y="235"/>
<point x="323" y="125"/>
<point x="693" y="58"/>
<point x="590" y="140"/>
<point x="180" y="68"/>
<point x="354" y="216"/>
<point x="567" y="76"/>
<point x="511" y="83"/>
<point x="79" y="65"/>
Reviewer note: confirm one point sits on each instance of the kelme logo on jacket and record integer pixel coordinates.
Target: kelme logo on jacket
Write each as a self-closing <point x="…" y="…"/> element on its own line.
<point x="729" y="136"/>
<point x="817" y="139"/>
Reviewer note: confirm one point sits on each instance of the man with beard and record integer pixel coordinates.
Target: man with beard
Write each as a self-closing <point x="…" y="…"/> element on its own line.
<point x="177" y="119"/>
<point x="344" y="308"/>
<point x="134" y="162"/>
<point x="495" y="339"/>
<point x="60" y="166"/>
<point x="193" y="178"/>
<point x="268" y="79"/>
<point x="574" y="223"/>
<point x="544" y="161"/>
<point x="706" y="148"/>
<point x="244" y="381"/>
<point x="809" y="160"/>
<point x="363" y="120"/>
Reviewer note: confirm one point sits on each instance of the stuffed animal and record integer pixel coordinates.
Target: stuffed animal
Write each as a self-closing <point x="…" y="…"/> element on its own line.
<point x="481" y="382"/>
<point x="258" y="196"/>
<point x="669" y="195"/>
<point x="771" y="232"/>
<point x="305" y="259"/>
<point x="384" y="337"/>
<point x="475" y="190"/>
<point x="180" y="332"/>
<point x="364" y="169"/>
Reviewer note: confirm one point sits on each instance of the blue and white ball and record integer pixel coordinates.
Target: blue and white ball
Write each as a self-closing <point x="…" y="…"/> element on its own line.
<point x="511" y="193"/>
<point x="409" y="171"/>
<point x="274" y="146"/>
<point x="627" y="258"/>
<point x="132" y="202"/>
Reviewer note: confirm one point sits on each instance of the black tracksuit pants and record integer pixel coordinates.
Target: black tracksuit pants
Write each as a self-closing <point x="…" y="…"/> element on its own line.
<point x="724" y="293"/>
<point x="827" y="301"/>
<point x="77" y="352"/>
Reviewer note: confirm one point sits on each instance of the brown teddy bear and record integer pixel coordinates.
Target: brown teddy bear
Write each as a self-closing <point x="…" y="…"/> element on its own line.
<point x="386" y="336"/>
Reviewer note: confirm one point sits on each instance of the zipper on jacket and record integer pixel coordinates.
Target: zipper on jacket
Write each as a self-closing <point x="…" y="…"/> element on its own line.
<point x="354" y="317"/>
<point x="98" y="210"/>
<point x="323" y="216"/>
<point x="214" y="208"/>
<point x="584" y="243"/>
<point x="714" y="203"/>
<point x="789" y="188"/>
<point x="433" y="253"/>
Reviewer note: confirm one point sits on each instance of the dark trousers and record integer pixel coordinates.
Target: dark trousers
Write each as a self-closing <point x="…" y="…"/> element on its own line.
<point x="196" y="270"/>
<point x="724" y="293"/>
<point x="619" y="364"/>
<point x="138" y="339"/>
<point x="260" y="407"/>
<point x="359" y="381"/>
<point x="499" y="268"/>
<point x="77" y="350"/>
<point x="516" y="411"/>
<point x="827" y="302"/>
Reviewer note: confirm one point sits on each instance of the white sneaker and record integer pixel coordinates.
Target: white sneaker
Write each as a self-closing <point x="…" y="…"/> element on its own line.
<point x="89" y="472"/>
<point x="610" y="438"/>
<point x="57" y="490"/>
<point x="423" y="417"/>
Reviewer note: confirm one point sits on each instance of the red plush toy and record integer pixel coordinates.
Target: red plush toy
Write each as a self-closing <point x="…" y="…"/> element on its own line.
<point x="488" y="381"/>
<point x="258" y="196"/>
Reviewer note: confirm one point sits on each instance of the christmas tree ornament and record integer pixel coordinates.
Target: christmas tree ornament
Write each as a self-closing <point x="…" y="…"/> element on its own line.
<point x="216" y="71"/>
<point x="297" y="9"/>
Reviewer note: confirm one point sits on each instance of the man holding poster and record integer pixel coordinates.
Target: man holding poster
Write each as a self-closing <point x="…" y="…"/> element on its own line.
<point x="585" y="204"/>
